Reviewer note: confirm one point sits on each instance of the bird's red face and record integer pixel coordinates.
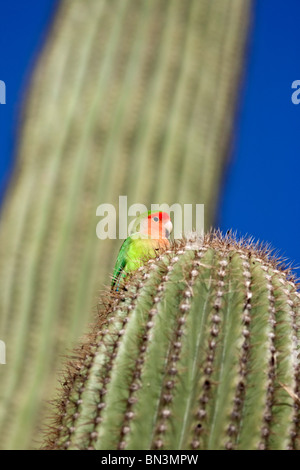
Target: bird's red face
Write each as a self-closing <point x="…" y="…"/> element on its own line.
<point x="159" y="225"/>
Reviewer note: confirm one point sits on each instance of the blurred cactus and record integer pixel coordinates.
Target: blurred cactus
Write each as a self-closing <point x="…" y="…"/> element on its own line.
<point x="130" y="97"/>
<point x="201" y="352"/>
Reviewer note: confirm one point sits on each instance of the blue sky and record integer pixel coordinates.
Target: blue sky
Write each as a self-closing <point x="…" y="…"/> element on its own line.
<point x="260" y="196"/>
<point x="261" y="193"/>
<point x="22" y="34"/>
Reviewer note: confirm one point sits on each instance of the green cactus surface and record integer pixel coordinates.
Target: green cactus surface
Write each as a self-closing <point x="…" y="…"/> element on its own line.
<point x="199" y="351"/>
<point x="128" y="97"/>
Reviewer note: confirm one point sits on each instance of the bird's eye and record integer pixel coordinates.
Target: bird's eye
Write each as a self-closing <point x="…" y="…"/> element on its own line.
<point x="155" y="219"/>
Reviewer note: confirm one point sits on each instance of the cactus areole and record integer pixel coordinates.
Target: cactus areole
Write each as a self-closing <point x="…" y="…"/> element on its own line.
<point x="200" y="351"/>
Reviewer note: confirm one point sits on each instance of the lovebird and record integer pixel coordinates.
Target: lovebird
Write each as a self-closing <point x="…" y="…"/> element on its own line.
<point x="151" y="232"/>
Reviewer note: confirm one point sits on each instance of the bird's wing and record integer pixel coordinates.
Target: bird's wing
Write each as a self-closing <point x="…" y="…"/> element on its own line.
<point x="121" y="260"/>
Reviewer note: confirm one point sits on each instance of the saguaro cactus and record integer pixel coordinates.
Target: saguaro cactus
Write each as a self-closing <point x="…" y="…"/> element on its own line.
<point x="200" y="352"/>
<point x="129" y="97"/>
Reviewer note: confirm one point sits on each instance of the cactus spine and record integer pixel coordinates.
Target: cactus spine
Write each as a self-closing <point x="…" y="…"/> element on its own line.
<point x="201" y="352"/>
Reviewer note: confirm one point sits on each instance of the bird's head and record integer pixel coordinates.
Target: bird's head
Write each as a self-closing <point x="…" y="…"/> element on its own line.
<point x="155" y="224"/>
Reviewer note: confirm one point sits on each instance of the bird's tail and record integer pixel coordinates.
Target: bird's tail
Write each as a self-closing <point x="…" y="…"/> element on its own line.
<point x="117" y="282"/>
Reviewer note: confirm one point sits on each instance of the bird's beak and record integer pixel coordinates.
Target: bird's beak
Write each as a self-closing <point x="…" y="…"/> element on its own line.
<point x="168" y="228"/>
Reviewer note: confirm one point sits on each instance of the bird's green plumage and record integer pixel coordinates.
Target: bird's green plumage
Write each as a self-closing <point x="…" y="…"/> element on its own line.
<point x="133" y="253"/>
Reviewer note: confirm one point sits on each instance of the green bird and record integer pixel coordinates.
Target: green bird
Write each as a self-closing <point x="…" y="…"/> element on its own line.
<point x="151" y="232"/>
